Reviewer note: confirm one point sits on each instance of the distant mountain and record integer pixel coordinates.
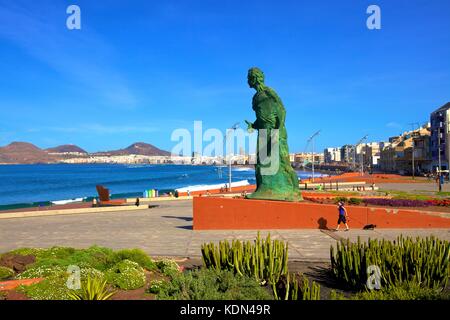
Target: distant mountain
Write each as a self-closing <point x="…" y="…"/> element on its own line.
<point x="27" y="153"/>
<point x="66" y="148"/>
<point x="140" y="148"/>
<point x="24" y="152"/>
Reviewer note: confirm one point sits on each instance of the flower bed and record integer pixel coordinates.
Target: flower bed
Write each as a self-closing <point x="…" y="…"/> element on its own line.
<point x="397" y="202"/>
<point x="386" y="202"/>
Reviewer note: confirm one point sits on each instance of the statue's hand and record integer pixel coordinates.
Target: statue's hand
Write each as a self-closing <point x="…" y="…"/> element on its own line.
<point x="249" y="126"/>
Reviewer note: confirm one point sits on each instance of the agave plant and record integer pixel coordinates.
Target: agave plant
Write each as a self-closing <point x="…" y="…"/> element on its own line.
<point x="92" y="289"/>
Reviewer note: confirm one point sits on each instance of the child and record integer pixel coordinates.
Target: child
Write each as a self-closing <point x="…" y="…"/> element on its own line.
<point x="343" y="216"/>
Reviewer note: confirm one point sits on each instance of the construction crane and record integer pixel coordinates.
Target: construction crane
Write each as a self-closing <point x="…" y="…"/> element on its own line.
<point x="354" y="154"/>
<point x="311" y="140"/>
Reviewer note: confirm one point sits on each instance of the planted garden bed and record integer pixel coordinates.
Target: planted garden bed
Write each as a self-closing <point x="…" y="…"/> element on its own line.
<point x="252" y="270"/>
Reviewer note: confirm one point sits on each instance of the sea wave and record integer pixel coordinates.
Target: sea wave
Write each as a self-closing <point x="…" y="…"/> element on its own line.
<point x="243" y="169"/>
<point x="201" y="187"/>
<point x="59" y="202"/>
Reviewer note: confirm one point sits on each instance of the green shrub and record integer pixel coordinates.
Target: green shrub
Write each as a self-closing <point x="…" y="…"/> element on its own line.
<point x="210" y="284"/>
<point x="92" y="273"/>
<point x="157" y="285"/>
<point x="126" y="275"/>
<point x="52" y="288"/>
<point x="425" y="261"/>
<point x="354" y="201"/>
<point x="92" y="289"/>
<point x="6" y="273"/>
<point x="40" y="272"/>
<point x="26" y="251"/>
<point x="95" y="257"/>
<point x="168" y="267"/>
<point x="406" y="291"/>
<point x="341" y="199"/>
<point x="136" y="255"/>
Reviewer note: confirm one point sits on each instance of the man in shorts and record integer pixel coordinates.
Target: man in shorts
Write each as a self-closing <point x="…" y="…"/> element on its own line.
<point x="343" y="216"/>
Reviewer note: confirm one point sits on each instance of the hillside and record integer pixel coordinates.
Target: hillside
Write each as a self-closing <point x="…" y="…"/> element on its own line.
<point x="66" y="148"/>
<point x="140" y="148"/>
<point x="24" y="152"/>
<point x="27" y="153"/>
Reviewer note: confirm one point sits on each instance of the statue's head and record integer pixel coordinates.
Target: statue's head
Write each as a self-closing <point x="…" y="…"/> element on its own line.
<point x="255" y="77"/>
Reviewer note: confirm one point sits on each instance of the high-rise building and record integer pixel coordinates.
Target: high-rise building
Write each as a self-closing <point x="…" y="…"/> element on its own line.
<point x="332" y="155"/>
<point x="407" y="151"/>
<point x="347" y="153"/>
<point x="440" y="137"/>
<point x="371" y="154"/>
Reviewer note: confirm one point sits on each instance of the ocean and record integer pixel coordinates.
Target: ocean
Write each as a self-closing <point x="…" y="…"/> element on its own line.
<point x="41" y="183"/>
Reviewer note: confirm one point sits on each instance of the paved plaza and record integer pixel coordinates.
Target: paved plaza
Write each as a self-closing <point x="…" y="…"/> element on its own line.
<point x="414" y="187"/>
<point x="166" y="230"/>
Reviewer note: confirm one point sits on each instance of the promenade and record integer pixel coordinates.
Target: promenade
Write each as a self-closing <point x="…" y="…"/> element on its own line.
<point x="166" y="231"/>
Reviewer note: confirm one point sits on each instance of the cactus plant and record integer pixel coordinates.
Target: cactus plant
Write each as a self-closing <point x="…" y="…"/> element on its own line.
<point x="423" y="260"/>
<point x="265" y="259"/>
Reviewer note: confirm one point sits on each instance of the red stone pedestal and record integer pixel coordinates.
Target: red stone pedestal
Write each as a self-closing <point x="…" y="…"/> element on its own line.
<point x="216" y="213"/>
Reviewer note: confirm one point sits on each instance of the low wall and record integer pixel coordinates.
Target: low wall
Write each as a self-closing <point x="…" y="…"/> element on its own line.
<point x="27" y="214"/>
<point x="214" y="213"/>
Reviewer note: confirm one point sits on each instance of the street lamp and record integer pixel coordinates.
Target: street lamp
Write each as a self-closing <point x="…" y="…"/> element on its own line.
<point x="311" y="139"/>
<point x="412" y="137"/>
<point x="362" y="156"/>
<point x="234" y="127"/>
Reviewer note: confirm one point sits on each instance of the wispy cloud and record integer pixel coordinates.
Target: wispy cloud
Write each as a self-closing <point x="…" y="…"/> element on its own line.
<point x="394" y="125"/>
<point x="102" y="129"/>
<point x="79" y="55"/>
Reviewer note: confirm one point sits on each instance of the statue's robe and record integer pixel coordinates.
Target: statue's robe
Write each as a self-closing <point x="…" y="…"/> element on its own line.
<point x="275" y="178"/>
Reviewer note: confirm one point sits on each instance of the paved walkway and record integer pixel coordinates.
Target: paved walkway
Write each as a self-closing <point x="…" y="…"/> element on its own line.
<point x="412" y="187"/>
<point x="167" y="231"/>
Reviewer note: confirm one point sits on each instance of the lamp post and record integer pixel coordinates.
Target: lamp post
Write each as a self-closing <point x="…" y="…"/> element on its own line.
<point x="439" y="157"/>
<point x="311" y="139"/>
<point x="234" y="127"/>
<point x="354" y="154"/>
<point x="413" y="147"/>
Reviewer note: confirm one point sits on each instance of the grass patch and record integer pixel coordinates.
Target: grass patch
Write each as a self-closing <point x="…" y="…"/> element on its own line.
<point x="443" y="194"/>
<point x="211" y="284"/>
<point x="126" y="275"/>
<point x="96" y="257"/>
<point x="6" y="273"/>
<point x="52" y="288"/>
<point x="404" y="195"/>
<point x="406" y="291"/>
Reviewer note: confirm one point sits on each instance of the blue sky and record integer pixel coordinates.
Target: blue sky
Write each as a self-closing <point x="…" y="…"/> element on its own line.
<point x="137" y="70"/>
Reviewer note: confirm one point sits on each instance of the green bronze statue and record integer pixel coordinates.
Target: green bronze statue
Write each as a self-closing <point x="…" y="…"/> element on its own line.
<point x="275" y="178"/>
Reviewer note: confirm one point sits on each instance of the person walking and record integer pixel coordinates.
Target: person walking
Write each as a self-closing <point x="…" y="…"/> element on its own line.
<point x="343" y="216"/>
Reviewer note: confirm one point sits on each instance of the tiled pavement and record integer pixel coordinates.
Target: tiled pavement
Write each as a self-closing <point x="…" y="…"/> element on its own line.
<point x="167" y="231"/>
